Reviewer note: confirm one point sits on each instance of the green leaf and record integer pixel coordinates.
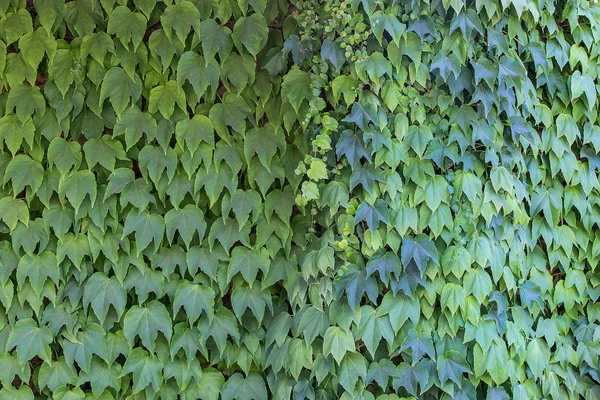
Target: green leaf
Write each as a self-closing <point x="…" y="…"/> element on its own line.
<point x="101" y="292"/>
<point x="419" y="250"/>
<point x="581" y="84"/>
<point x="120" y="89"/>
<point x="199" y="73"/>
<point x="248" y="262"/>
<point x="16" y="25"/>
<point x="373" y="67"/>
<point x="26" y="100"/>
<point x="386" y="263"/>
<point x="194" y="299"/>
<point x="104" y="151"/>
<point x="253" y="298"/>
<point x="243" y="203"/>
<point x="30" y="340"/>
<point x="22" y="393"/>
<point x="537" y="357"/>
<point x="345" y="86"/>
<point x="91" y="340"/>
<point x="337" y="342"/>
<point x="215" y="38"/>
<point x="352" y="368"/>
<point x="146" y="322"/>
<point x="187" y="221"/>
<point x="64" y="155"/>
<point x="250" y="388"/>
<point x="251" y="32"/>
<point x="389" y="23"/>
<point x="223" y="324"/>
<point x="264" y="142"/>
<point x="451" y="366"/>
<point x="145" y="368"/>
<point x="76" y="186"/>
<point x="133" y="123"/>
<point x="12" y="211"/>
<point x="296" y="88"/>
<point x="164" y="97"/>
<point x="13" y="132"/>
<point x="147" y="227"/>
<point x="129" y="26"/>
<point x="38" y="268"/>
<point x="181" y="17"/>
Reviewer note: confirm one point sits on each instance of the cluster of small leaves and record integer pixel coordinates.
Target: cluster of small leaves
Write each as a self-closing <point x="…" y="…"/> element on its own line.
<point x="310" y="199"/>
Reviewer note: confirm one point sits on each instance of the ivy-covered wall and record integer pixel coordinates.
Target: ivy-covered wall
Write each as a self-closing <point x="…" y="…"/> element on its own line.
<point x="309" y="199"/>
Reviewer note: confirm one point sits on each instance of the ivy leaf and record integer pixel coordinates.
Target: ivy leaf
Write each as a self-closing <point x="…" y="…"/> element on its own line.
<point x="64" y="155"/>
<point x="366" y="176"/>
<point x="386" y="263"/>
<point x="296" y="88"/>
<point x="408" y="376"/>
<point x="194" y="131"/>
<point x="356" y="283"/>
<point x="227" y="232"/>
<point x="129" y="26"/>
<point x="194" y="299"/>
<point x="164" y="97"/>
<point x="26" y="100"/>
<point x="91" y="340"/>
<point x="313" y="323"/>
<point x="97" y="45"/>
<point x="537" y="356"/>
<point x="337" y="342"/>
<point x="264" y="142"/>
<point x="146" y="322"/>
<point x="187" y="221"/>
<point x="352" y="146"/>
<point x="215" y="38"/>
<point x="332" y="53"/>
<point x="352" y="368"/>
<point x="581" y="84"/>
<point x="30" y="340"/>
<point x="22" y="393"/>
<point x="76" y="186"/>
<point x="223" y="324"/>
<point x="147" y="226"/>
<point x="420" y="344"/>
<point x="243" y="203"/>
<point x="451" y="366"/>
<point x="250" y="388"/>
<point x="15" y="25"/>
<point x="12" y="211"/>
<point x="419" y="250"/>
<point x="120" y="89"/>
<point x="373" y="214"/>
<point x="18" y="132"/>
<point x="251" y="32"/>
<point x="23" y="171"/>
<point x="346" y="86"/>
<point x="199" y="73"/>
<point x="104" y="151"/>
<point x="38" y="268"/>
<point x="146" y="369"/>
<point x="373" y="67"/>
<point x="181" y="17"/>
<point x="248" y="262"/>
<point x="101" y="292"/>
<point x="389" y="23"/>
<point x="133" y="123"/>
<point x="253" y="298"/>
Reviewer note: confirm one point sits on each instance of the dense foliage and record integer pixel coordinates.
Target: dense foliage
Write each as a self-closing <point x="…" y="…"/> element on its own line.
<point x="252" y="199"/>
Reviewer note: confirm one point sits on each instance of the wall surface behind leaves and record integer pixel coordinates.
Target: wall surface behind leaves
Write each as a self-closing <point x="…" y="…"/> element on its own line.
<point x="309" y="199"/>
